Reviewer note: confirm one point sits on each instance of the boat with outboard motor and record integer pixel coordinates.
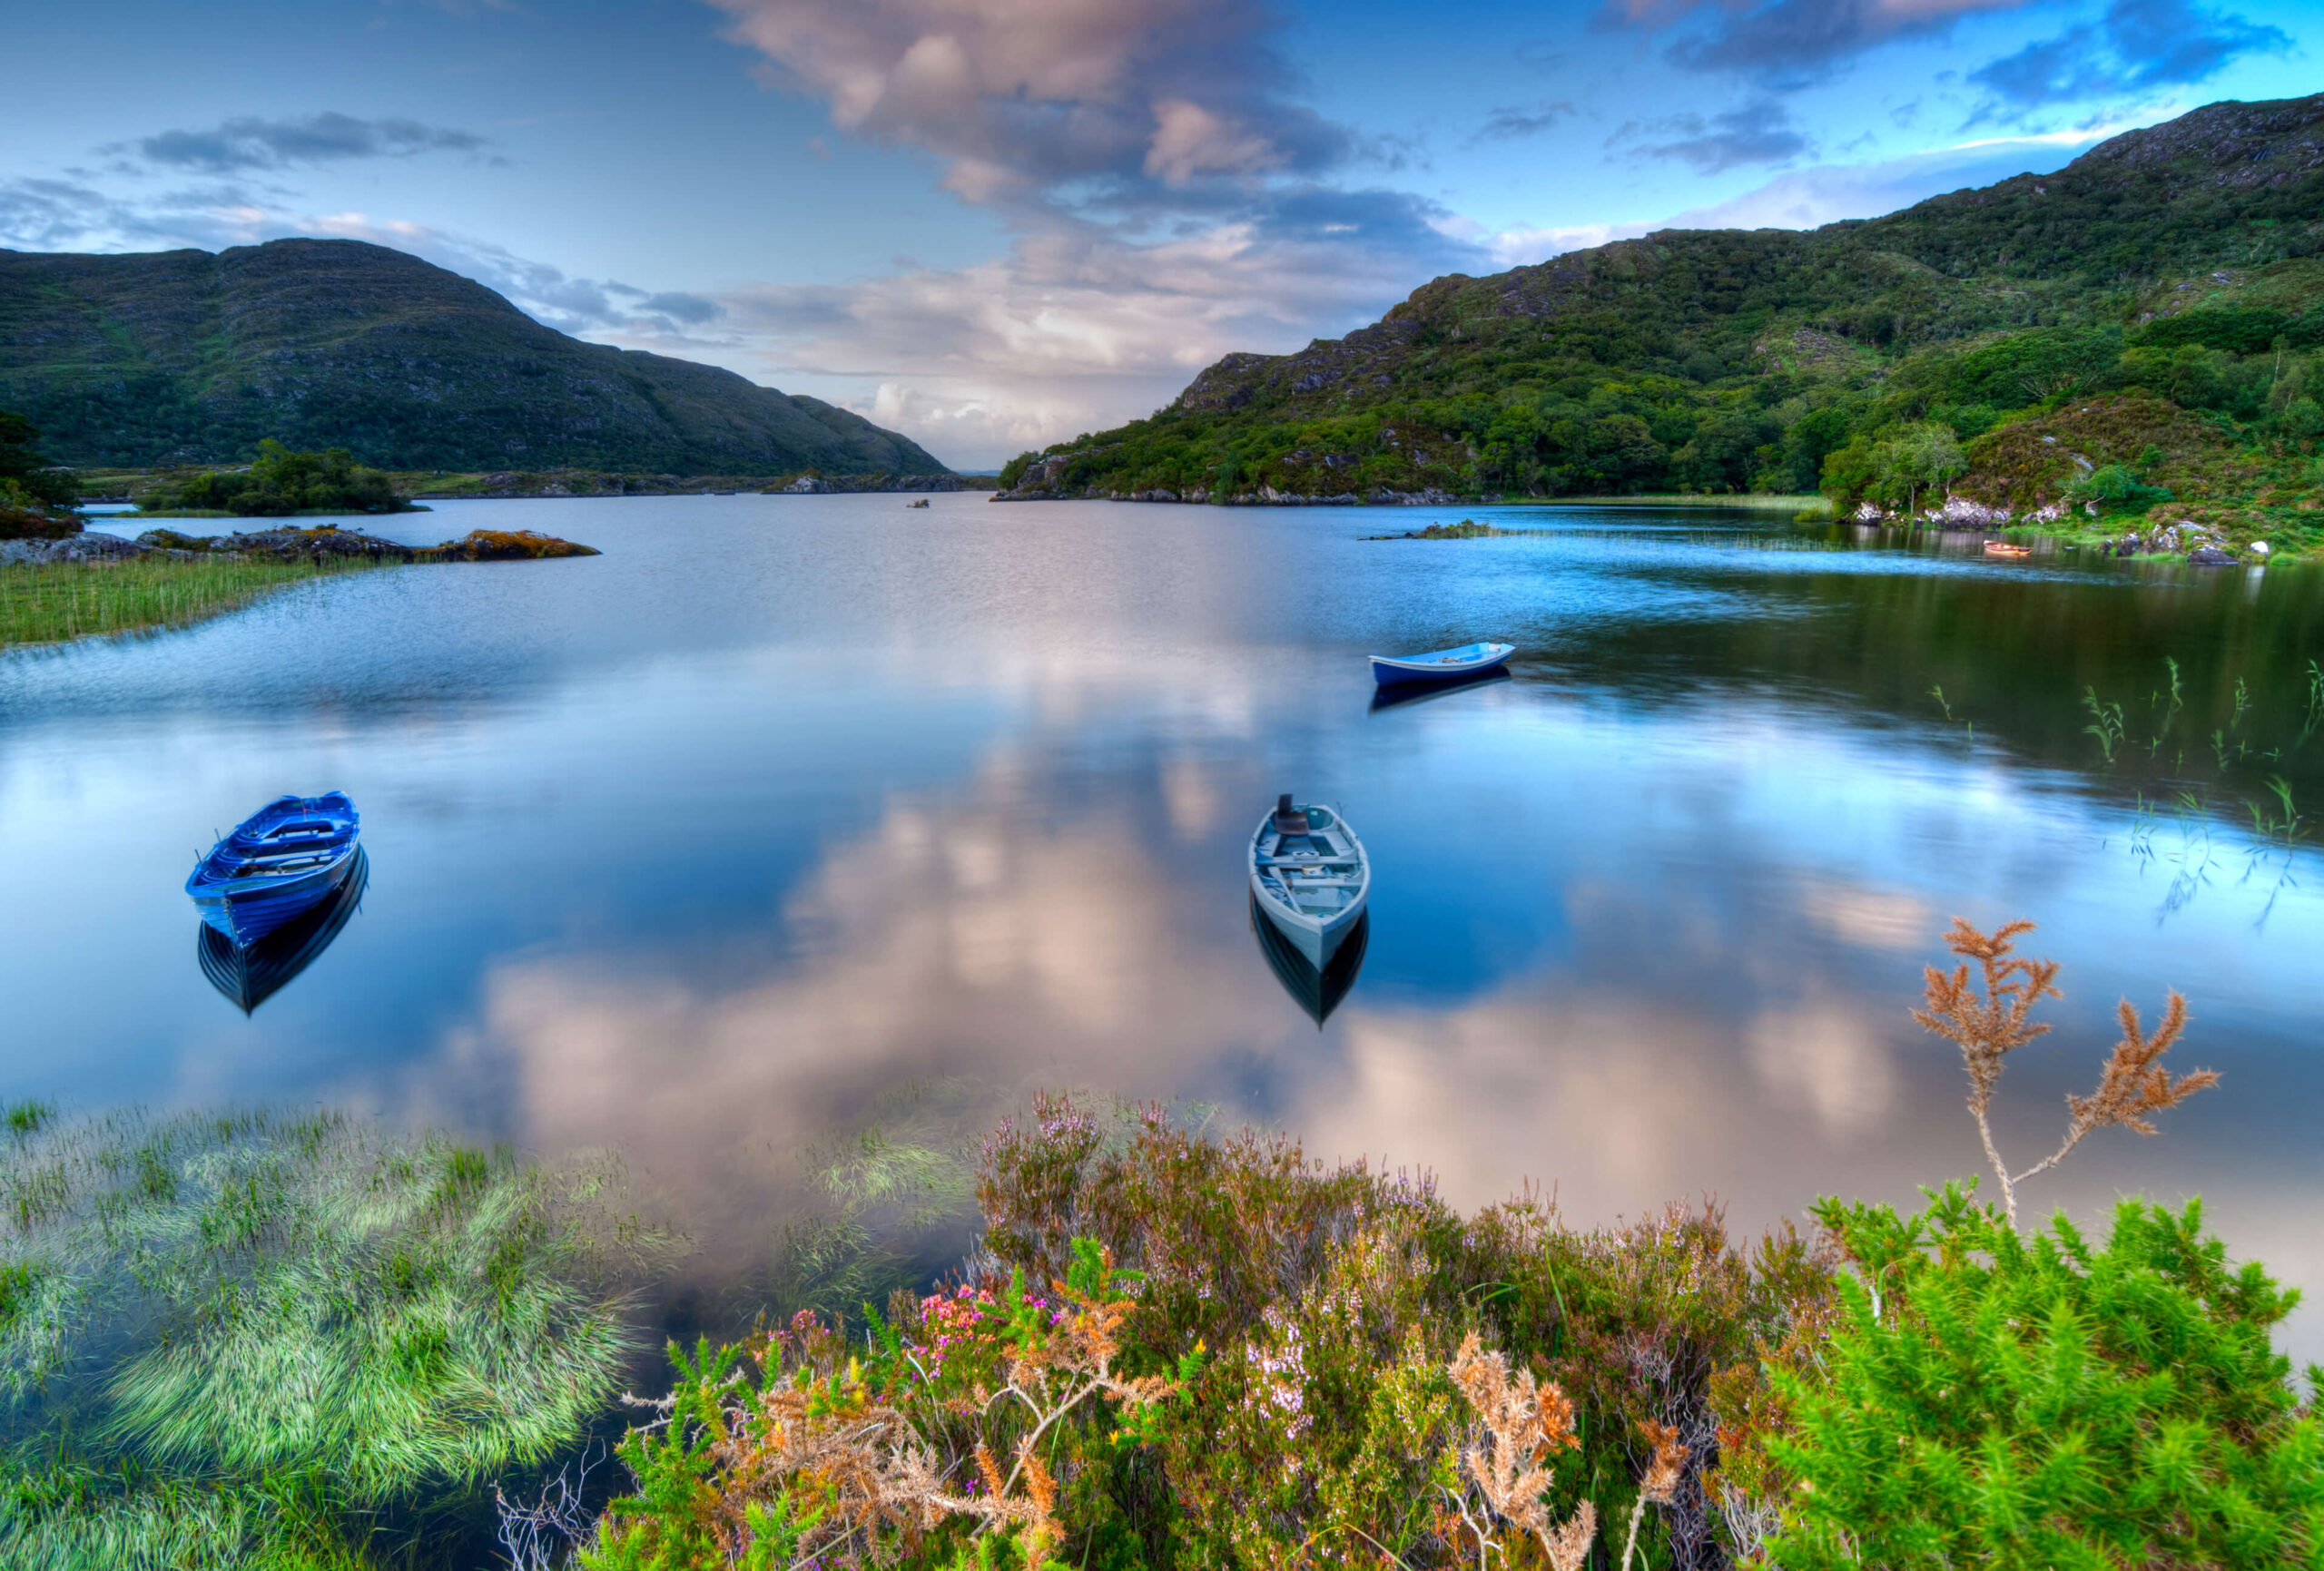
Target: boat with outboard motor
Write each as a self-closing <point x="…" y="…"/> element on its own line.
<point x="1310" y="876"/>
<point x="1440" y="664"/>
<point x="283" y="859"/>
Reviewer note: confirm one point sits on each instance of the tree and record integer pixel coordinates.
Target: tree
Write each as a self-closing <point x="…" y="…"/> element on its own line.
<point x="27" y="471"/>
<point x="1923" y="454"/>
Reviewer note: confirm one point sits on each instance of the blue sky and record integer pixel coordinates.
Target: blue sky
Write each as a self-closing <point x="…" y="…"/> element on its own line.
<point x="994" y="223"/>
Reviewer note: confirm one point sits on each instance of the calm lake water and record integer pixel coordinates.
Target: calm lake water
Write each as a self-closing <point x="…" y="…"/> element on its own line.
<point x="698" y="848"/>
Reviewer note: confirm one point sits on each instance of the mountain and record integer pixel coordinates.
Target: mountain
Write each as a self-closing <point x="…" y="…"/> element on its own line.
<point x="176" y="357"/>
<point x="2180" y="268"/>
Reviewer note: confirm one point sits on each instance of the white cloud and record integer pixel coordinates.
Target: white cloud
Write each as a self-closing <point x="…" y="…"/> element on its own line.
<point x="1019" y="97"/>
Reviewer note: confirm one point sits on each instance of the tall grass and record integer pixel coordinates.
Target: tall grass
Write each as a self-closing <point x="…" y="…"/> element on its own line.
<point x="230" y="1339"/>
<point x="51" y="603"/>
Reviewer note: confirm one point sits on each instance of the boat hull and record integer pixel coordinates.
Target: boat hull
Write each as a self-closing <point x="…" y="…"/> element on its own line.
<point x="244" y="916"/>
<point x="1317" y="989"/>
<point x="250" y="974"/>
<point x="1315" y="941"/>
<point x="1441" y="666"/>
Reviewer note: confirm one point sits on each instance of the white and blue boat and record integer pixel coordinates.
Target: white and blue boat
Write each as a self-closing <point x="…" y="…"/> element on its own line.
<point x="283" y="861"/>
<point x="1440" y="664"/>
<point x="1309" y="878"/>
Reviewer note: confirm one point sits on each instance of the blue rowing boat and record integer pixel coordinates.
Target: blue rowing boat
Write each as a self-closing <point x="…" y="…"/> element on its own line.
<point x="1440" y="664"/>
<point x="285" y="859"/>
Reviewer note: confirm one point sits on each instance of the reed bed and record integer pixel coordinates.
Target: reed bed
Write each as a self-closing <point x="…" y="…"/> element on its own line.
<point x="53" y="603"/>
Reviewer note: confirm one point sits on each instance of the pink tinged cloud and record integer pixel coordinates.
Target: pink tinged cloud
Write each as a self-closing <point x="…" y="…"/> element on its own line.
<point x="1015" y="95"/>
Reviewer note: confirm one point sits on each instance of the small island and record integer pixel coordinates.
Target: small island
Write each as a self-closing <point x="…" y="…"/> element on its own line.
<point x="281" y="484"/>
<point x="1466" y="529"/>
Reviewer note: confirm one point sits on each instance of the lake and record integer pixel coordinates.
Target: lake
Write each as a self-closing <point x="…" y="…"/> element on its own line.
<point x="786" y="807"/>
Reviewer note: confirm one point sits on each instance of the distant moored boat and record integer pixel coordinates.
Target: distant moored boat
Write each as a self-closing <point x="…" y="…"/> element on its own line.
<point x="285" y="858"/>
<point x="1440" y="664"/>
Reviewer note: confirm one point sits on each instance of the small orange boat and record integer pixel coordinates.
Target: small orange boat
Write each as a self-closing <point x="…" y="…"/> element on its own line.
<point x="2003" y="549"/>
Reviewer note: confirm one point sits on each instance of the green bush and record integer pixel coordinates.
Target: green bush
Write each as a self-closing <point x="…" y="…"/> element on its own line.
<point x="2117" y="490"/>
<point x="282" y="483"/>
<point x="2037" y="1403"/>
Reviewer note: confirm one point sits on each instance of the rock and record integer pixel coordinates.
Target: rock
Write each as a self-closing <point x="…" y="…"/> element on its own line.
<point x="171" y="540"/>
<point x="2210" y="556"/>
<point x="85" y="547"/>
<point x="1963" y="511"/>
<point x="503" y="545"/>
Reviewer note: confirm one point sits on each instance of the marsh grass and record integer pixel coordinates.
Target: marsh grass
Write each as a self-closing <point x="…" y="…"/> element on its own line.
<point x="879" y="1206"/>
<point x="244" y="1340"/>
<point x="51" y="603"/>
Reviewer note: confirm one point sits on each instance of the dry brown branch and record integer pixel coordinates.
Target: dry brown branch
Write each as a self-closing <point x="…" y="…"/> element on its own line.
<point x="1660" y="1483"/>
<point x="870" y="1461"/>
<point x="2133" y="1084"/>
<point x="1989" y="1024"/>
<point x="1524" y="1423"/>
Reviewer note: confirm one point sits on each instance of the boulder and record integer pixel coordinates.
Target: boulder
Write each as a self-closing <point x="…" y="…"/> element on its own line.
<point x="82" y="547"/>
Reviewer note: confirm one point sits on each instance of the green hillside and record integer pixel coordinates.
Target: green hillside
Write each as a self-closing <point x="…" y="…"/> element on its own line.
<point x="2176" y="273"/>
<point x="183" y="356"/>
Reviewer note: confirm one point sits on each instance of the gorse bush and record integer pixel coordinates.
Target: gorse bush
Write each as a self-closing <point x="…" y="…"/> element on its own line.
<point x="224" y="1340"/>
<point x="2040" y="1403"/>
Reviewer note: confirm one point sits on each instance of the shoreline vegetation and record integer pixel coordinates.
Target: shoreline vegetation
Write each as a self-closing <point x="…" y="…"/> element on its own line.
<point x="86" y="585"/>
<point x="114" y="485"/>
<point x="56" y="603"/>
<point x="287" y="1344"/>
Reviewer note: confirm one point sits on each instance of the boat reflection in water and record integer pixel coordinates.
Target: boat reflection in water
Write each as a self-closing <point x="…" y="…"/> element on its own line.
<point x="1404" y="693"/>
<point x="1317" y="992"/>
<point x="250" y="976"/>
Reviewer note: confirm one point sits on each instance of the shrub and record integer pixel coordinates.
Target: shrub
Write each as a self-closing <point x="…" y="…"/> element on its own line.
<point x="2117" y="490"/>
<point x="280" y="484"/>
<point x="2035" y="1402"/>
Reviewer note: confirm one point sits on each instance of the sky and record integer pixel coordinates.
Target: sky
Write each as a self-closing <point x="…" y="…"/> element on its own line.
<point x="994" y="224"/>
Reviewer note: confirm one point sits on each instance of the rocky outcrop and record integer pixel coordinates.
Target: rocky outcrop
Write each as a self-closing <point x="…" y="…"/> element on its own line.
<point x="857" y="484"/>
<point x="92" y="546"/>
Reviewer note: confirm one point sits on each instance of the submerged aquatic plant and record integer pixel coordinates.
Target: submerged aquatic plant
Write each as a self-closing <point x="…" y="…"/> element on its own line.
<point x="2105" y="722"/>
<point x="223" y="1332"/>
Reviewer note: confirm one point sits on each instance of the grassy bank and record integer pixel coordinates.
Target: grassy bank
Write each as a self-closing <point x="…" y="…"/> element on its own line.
<point x="52" y="603"/>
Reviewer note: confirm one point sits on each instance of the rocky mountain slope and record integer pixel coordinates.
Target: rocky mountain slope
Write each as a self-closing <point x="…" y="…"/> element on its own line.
<point x="2184" y="262"/>
<point x="183" y="357"/>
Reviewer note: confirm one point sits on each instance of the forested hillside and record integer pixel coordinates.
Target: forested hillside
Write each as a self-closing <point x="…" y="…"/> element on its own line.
<point x="2159" y="302"/>
<point x="183" y="356"/>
